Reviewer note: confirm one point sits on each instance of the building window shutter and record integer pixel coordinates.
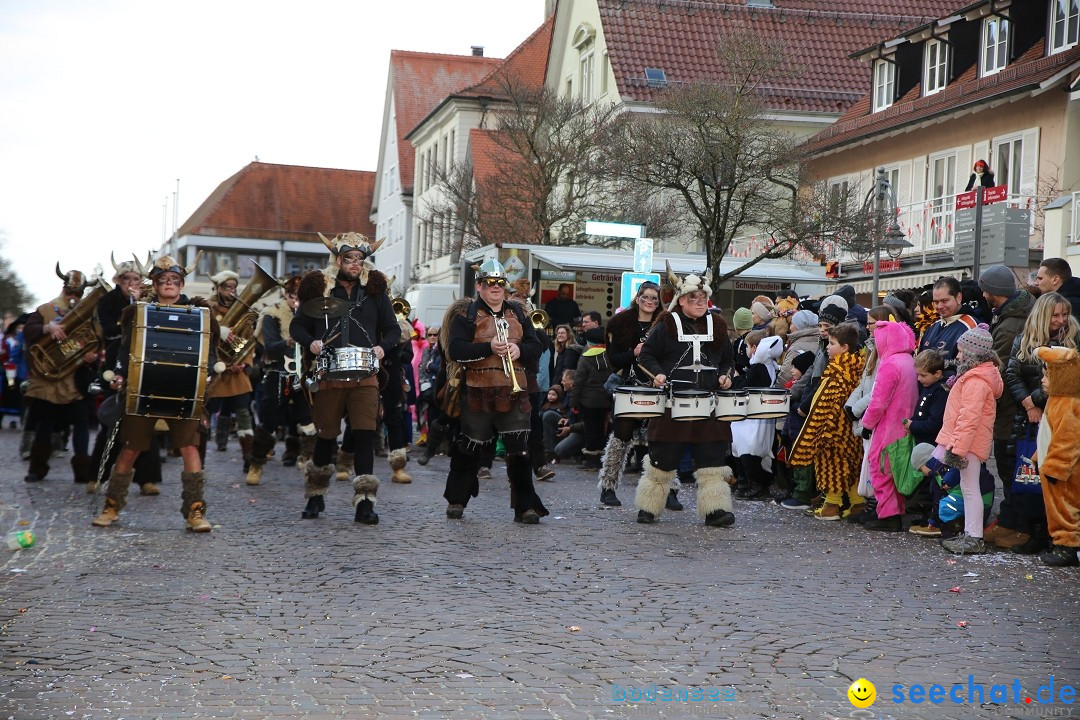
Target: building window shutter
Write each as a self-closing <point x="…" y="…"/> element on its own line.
<point x="964" y="163"/>
<point x="1029" y="168"/>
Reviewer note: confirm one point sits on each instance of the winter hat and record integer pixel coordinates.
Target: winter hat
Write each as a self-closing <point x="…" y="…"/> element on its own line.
<point x="743" y="319"/>
<point x="761" y="312"/>
<point x="997" y="280"/>
<point x="921" y="455"/>
<point x="803" y="319"/>
<point x="894" y="302"/>
<point x="858" y="314"/>
<point x="976" y="343"/>
<point x="803" y="361"/>
<point x="833" y="310"/>
<point x="848" y="293"/>
<point x="786" y="306"/>
<point x="595" y="336"/>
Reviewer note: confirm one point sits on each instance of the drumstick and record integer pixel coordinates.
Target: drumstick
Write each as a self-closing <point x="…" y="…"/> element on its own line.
<point x="644" y="370"/>
<point x="331" y="339"/>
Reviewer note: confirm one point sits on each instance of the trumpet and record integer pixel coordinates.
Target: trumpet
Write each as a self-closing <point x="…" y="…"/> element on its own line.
<point x="539" y="319"/>
<point x="502" y="334"/>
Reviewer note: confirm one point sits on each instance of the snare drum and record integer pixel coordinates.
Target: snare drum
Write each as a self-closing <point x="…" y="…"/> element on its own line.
<point x="170" y="355"/>
<point x="770" y="403"/>
<point x="348" y="364"/>
<point x="731" y="405"/>
<point x="639" y="402"/>
<point x="689" y="405"/>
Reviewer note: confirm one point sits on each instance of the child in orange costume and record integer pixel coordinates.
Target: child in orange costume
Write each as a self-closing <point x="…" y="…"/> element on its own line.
<point x="1059" y="452"/>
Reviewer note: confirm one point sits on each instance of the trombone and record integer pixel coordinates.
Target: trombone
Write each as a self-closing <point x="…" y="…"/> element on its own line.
<point x="502" y="334"/>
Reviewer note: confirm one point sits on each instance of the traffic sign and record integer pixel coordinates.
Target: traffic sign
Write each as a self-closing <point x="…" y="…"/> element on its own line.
<point x="631" y="281"/>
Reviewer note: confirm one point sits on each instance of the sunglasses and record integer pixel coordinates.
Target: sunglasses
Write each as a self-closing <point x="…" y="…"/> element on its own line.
<point x="493" y="282"/>
<point x="435" y="335"/>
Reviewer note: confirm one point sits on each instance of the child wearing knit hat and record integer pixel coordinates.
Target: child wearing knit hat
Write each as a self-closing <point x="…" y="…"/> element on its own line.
<point x="967" y="433"/>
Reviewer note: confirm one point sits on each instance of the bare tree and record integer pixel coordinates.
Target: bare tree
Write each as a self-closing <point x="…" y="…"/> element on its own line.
<point x="14" y="297"/>
<point x="713" y="148"/>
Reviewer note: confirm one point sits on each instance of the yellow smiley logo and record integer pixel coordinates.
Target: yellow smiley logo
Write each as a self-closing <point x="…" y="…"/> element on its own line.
<point x="862" y="693"/>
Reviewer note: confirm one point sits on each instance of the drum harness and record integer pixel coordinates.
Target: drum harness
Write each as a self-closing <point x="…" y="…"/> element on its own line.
<point x="694" y="340"/>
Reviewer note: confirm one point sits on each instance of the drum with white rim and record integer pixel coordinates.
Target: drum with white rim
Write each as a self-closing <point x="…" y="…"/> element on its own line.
<point x="731" y="405"/>
<point x="687" y="405"/>
<point x="639" y="402"/>
<point x="764" y="403"/>
<point x="349" y="364"/>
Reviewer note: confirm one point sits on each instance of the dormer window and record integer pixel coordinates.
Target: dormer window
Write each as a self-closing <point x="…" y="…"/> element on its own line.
<point x="884" y="84"/>
<point x="936" y="65"/>
<point x="583" y="42"/>
<point x="995" y="45"/>
<point x="1064" y="24"/>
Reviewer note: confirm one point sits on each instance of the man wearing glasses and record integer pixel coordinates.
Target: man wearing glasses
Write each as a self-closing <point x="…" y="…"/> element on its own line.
<point x="493" y="341"/>
<point x="689" y="335"/>
<point x="368" y="323"/>
<point x="136" y="431"/>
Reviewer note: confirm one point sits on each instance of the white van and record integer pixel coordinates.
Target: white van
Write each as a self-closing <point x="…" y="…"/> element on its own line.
<point x="429" y="302"/>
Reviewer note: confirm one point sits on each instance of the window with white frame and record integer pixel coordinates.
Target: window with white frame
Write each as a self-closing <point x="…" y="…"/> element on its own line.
<point x="995" y="44"/>
<point x="587" y="63"/>
<point x="937" y="54"/>
<point x="1064" y="24"/>
<point x="941" y="181"/>
<point x="1009" y="164"/>
<point x="884" y="84"/>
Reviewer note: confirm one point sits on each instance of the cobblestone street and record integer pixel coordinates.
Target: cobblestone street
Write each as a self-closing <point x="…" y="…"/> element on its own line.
<point x="273" y="616"/>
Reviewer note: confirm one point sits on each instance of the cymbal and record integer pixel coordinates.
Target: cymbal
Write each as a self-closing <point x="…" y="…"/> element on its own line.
<point x="696" y="367"/>
<point x="329" y="307"/>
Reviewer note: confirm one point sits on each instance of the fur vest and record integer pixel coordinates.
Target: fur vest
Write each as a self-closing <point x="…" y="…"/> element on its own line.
<point x="319" y="283"/>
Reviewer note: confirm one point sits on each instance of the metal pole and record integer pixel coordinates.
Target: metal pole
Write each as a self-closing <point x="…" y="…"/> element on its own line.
<point x="879" y="209"/>
<point x="975" y="265"/>
<point x="175" y="211"/>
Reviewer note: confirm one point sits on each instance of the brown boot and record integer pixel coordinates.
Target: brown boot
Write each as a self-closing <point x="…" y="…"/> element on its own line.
<point x="196" y="518"/>
<point x="109" y="515"/>
<point x="149" y="488"/>
<point x="344" y="465"/>
<point x="40" y="452"/>
<point x="398" y="460"/>
<point x="246" y="442"/>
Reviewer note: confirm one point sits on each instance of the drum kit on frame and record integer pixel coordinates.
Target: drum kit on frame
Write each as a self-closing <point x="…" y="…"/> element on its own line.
<point x="343" y="364"/>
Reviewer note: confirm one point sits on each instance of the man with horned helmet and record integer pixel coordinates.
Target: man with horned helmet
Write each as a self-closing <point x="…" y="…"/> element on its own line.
<point x="283" y="402"/>
<point x="127" y="290"/>
<point x="167" y="276"/>
<point x="493" y="343"/>
<point x="368" y="322"/>
<point x="231" y="395"/>
<point x="57" y="402"/>
<point x="688" y="346"/>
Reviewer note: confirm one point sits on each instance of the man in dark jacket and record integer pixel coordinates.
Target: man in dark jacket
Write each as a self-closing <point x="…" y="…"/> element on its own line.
<point x="1055" y="275"/>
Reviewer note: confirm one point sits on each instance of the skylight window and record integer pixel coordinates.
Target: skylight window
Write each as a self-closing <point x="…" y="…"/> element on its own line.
<point x="655" y="77"/>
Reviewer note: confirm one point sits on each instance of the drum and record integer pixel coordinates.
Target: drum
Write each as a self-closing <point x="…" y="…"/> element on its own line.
<point x="731" y="405"/>
<point x="349" y="364"/>
<point x="767" y="403"/>
<point x="689" y="405"/>
<point x="639" y="402"/>
<point x="169" y="363"/>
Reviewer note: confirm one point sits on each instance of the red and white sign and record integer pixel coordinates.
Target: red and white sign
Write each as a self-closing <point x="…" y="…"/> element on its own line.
<point x="998" y="193"/>
<point x="883" y="266"/>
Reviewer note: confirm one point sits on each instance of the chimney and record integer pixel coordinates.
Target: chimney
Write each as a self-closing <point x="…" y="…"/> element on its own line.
<point x="478" y="50"/>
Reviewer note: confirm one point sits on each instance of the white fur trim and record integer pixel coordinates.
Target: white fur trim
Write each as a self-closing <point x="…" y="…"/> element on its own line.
<point x="652" y="489"/>
<point x="714" y="490"/>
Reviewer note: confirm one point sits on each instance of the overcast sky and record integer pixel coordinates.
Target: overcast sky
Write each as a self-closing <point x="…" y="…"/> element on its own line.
<point x="104" y="104"/>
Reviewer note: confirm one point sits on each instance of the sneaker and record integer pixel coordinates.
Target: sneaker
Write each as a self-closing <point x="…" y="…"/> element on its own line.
<point x="545" y="474"/>
<point x="893" y="523"/>
<point x="794" y="503"/>
<point x="828" y="511"/>
<point x="1060" y="556"/>
<point x="964" y="544"/>
<point x="483" y="474"/>
<point x="925" y="530"/>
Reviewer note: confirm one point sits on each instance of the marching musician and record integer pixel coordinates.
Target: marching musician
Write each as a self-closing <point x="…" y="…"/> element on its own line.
<point x="494" y="342"/>
<point x="231" y="394"/>
<point x="127" y="290"/>
<point x="626" y="334"/>
<point x="368" y="323"/>
<point x="688" y="334"/>
<point x="521" y="291"/>
<point x="394" y="398"/>
<point x="283" y="403"/>
<point x="58" y="402"/>
<point x="136" y="431"/>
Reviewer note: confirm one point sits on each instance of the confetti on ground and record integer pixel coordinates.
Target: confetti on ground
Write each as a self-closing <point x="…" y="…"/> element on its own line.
<point x="574" y="628"/>
<point x="962" y="624"/>
<point x="955" y="589"/>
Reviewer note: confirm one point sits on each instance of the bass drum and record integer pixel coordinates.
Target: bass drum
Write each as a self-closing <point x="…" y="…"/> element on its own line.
<point x="639" y="402"/>
<point x="765" y="404"/>
<point x="169" y="364"/>
<point x="688" y="405"/>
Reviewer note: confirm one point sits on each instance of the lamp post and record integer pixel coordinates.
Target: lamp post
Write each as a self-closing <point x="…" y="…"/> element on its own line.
<point x="893" y="236"/>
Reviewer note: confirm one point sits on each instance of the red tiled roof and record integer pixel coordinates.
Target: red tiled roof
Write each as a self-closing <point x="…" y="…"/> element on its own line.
<point x="286" y="202"/>
<point x="527" y="65"/>
<point x="420" y="82"/>
<point x="1025" y="73"/>
<point x="680" y="37"/>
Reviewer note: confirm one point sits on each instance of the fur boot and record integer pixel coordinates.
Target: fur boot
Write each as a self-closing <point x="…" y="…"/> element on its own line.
<point x="80" y="468"/>
<point x="116" y="488"/>
<point x="261" y="445"/>
<point x="292" y="450"/>
<point x="652" y="492"/>
<point x="398" y="459"/>
<point x="714" y="495"/>
<point x="344" y="465"/>
<point x="365" y="488"/>
<point x="40" y="452"/>
<point x="307" y="447"/>
<point x="611" y="470"/>
<point x="192" y="492"/>
<point x="316" y="478"/>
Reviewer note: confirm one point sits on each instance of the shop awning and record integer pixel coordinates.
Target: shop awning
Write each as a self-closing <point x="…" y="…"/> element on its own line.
<point x="905" y="281"/>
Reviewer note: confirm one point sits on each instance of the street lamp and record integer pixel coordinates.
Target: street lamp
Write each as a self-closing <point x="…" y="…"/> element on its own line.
<point x="893" y="237"/>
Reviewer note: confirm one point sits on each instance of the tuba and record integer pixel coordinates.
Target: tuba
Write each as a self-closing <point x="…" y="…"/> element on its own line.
<point x="56" y="360"/>
<point x="402" y="308"/>
<point x="241" y="318"/>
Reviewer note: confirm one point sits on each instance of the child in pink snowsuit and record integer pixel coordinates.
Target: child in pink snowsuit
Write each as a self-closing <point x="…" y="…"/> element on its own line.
<point x="892" y="400"/>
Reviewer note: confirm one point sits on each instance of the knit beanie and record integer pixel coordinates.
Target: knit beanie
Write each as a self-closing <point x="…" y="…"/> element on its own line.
<point x="595" y="336"/>
<point x="848" y="293"/>
<point x="761" y="311"/>
<point x="976" y="343"/>
<point x="921" y="455"/>
<point x="803" y="361"/>
<point x="803" y="319"/>
<point x="743" y="319"/>
<point x="833" y="310"/>
<point x="998" y="280"/>
<point x="894" y="302"/>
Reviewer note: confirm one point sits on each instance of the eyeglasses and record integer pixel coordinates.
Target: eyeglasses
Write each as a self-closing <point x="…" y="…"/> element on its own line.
<point x="493" y="282"/>
<point x="352" y="259"/>
<point x="434" y="335"/>
<point x="697" y="298"/>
